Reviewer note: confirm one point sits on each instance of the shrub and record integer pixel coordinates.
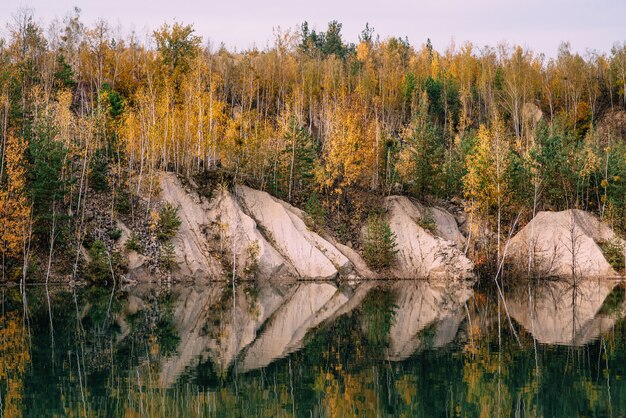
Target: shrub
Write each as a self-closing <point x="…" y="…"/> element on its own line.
<point x="379" y="243"/>
<point x="133" y="243"/>
<point x="167" y="257"/>
<point x="98" y="269"/>
<point x="252" y="264"/>
<point x="123" y="203"/>
<point x="115" y="234"/>
<point x="168" y="222"/>
<point x="614" y="254"/>
<point x="315" y="210"/>
<point x="428" y="222"/>
<point x="99" y="170"/>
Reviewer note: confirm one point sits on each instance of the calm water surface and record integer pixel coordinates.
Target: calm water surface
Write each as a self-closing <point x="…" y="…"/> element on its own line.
<point x="399" y="348"/>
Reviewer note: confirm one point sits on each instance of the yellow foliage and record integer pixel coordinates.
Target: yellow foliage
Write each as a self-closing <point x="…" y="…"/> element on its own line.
<point x="349" y="151"/>
<point x="14" y="205"/>
<point x="14" y="356"/>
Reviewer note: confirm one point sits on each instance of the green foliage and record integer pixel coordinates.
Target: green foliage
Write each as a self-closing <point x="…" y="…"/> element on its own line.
<point x="428" y="222"/>
<point x="379" y="311"/>
<point x="315" y="210"/>
<point x="64" y="76"/>
<point x="421" y="155"/>
<point x="379" y="242"/>
<point x="295" y="176"/>
<point x="454" y="168"/>
<point x="169" y="222"/>
<point x="555" y="169"/>
<point x="324" y="43"/>
<point x="123" y="204"/>
<point x="615" y="184"/>
<point x="115" y="234"/>
<point x="614" y="254"/>
<point x="115" y="101"/>
<point x="167" y="256"/>
<point x="133" y="243"/>
<point x="47" y="185"/>
<point x="614" y="302"/>
<point x="177" y="46"/>
<point x="99" y="168"/>
<point x="443" y="96"/>
<point x="98" y="269"/>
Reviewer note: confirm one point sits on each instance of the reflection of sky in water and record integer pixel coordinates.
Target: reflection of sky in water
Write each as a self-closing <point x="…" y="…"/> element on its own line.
<point x="315" y="349"/>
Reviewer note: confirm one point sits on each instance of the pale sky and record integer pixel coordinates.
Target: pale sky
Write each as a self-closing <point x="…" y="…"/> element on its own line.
<point x="540" y="25"/>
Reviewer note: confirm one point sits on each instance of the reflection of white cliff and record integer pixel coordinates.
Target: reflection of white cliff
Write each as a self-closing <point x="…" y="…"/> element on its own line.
<point x="213" y="325"/>
<point x="420" y="306"/>
<point x="310" y="305"/>
<point x="563" y="313"/>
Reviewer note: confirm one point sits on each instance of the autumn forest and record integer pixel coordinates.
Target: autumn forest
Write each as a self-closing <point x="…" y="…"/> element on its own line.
<point x="330" y="125"/>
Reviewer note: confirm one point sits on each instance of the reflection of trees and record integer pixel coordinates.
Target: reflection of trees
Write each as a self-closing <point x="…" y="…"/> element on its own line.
<point x="14" y="356"/>
<point x="342" y="368"/>
<point x="568" y="312"/>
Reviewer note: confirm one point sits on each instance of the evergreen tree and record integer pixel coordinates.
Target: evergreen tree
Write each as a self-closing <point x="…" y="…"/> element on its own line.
<point x="379" y="242"/>
<point x="48" y="187"/>
<point x="299" y="157"/>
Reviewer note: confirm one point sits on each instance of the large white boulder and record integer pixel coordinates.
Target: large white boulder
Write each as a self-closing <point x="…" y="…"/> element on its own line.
<point x="562" y="244"/>
<point x="426" y="253"/>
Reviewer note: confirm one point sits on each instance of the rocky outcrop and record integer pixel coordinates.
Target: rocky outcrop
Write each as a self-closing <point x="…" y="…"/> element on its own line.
<point x="260" y="236"/>
<point x="428" y="241"/>
<point x="193" y="250"/>
<point x="566" y="313"/>
<point x="562" y="244"/>
<point x="310" y="255"/>
<point x="251" y="231"/>
<point x="235" y="232"/>
<point x="428" y="315"/>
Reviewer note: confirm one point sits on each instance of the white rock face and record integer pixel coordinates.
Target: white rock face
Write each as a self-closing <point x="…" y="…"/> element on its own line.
<point x="193" y="252"/>
<point x="230" y="226"/>
<point x="420" y="305"/>
<point x="422" y="254"/>
<point x="563" y="244"/>
<point x="236" y="232"/>
<point x="559" y="312"/>
<point x="310" y="255"/>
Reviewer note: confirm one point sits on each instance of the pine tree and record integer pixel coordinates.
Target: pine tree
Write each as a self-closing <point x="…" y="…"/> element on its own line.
<point x="298" y="161"/>
<point x="379" y="242"/>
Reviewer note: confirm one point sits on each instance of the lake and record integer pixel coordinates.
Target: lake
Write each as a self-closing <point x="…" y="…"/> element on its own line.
<point x="393" y="348"/>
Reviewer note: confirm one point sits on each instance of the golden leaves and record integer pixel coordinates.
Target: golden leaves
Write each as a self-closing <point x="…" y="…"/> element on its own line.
<point x="15" y="208"/>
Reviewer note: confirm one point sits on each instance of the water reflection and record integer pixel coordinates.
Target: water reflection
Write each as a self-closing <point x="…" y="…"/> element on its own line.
<point x="567" y="312"/>
<point x="314" y="349"/>
<point x="427" y="315"/>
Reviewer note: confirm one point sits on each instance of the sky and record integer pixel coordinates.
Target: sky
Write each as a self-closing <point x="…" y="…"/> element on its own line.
<point x="540" y="25"/>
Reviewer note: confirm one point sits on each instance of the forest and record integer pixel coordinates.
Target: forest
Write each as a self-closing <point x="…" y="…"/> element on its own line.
<point x="88" y="117"/>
